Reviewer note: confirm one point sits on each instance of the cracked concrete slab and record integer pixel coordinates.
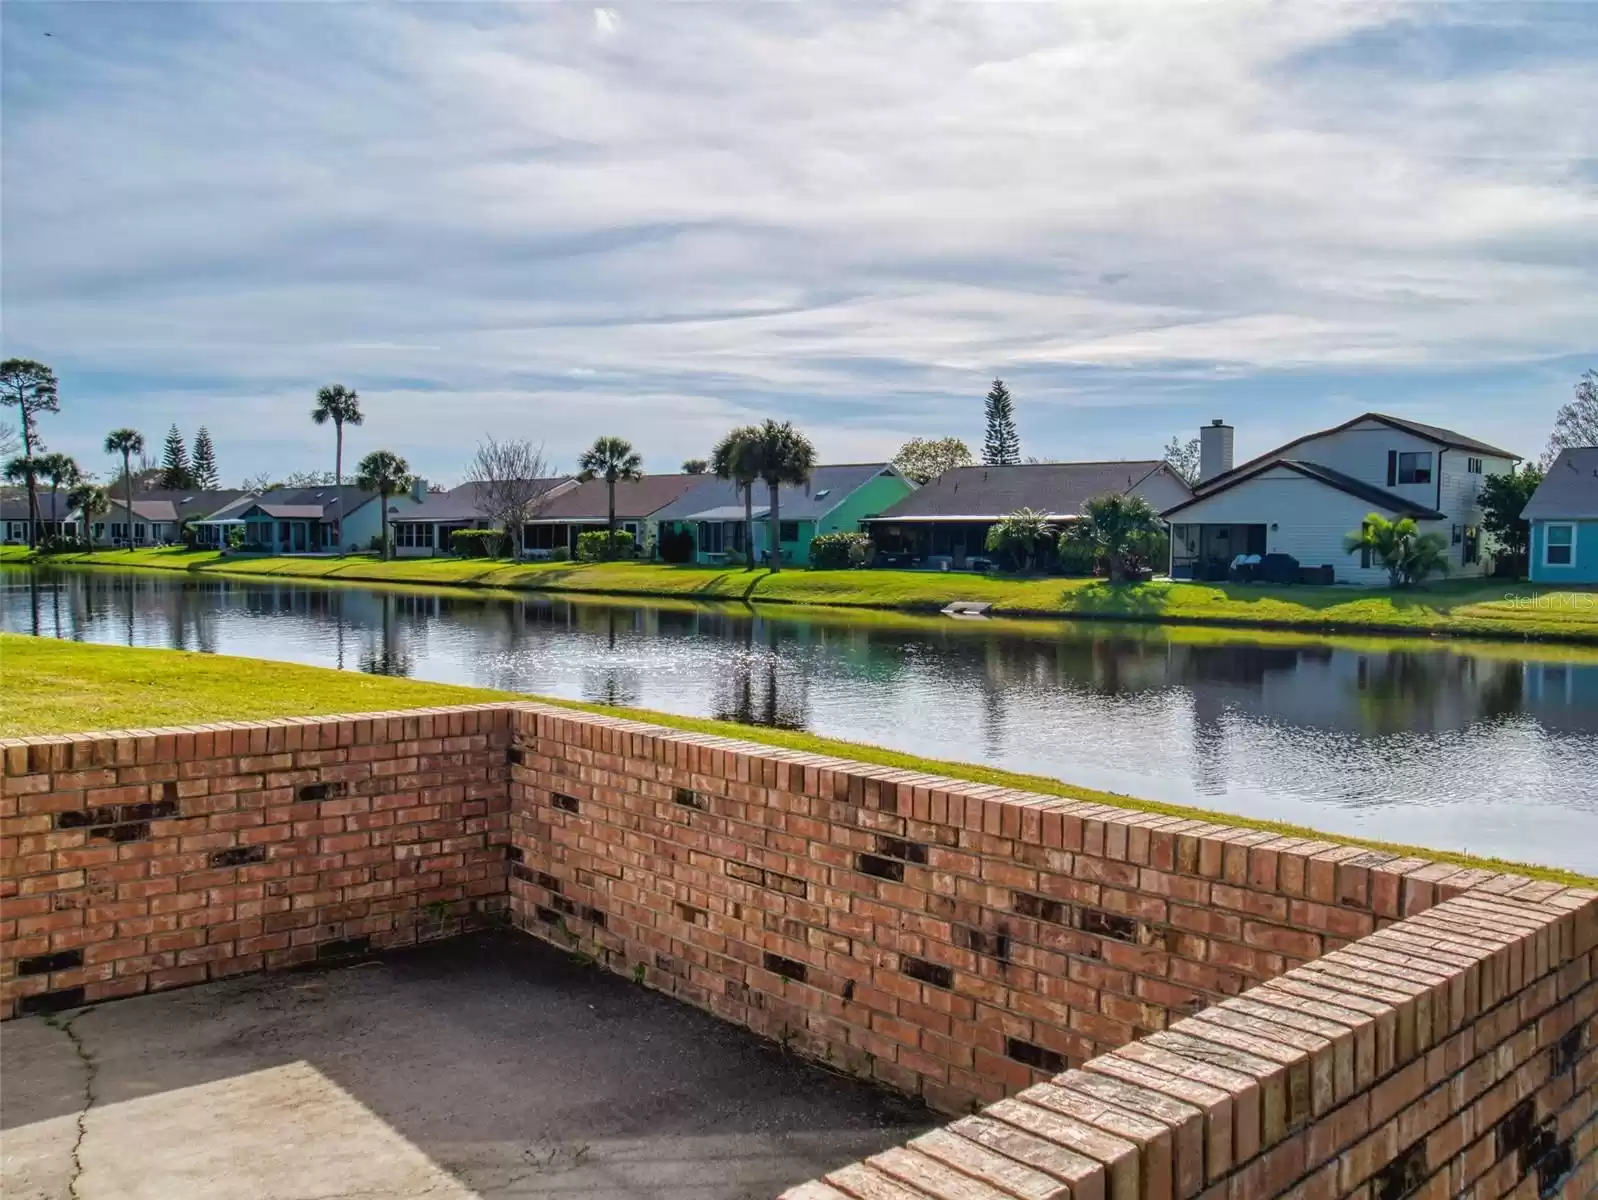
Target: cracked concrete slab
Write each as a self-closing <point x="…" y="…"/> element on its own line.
<point x="489" y="1067"/>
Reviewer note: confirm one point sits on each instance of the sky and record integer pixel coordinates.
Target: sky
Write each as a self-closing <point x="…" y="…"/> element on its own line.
<point x="557" y="221"/>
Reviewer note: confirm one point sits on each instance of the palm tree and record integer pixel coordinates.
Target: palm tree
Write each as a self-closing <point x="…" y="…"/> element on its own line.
<point x="340" y="405"/>
<point x="1119" y="525"/>
<point x="63" y="471"/>
<point x="785" y="456"/>
<point x="127" y="443"/>
<point x="610" y="459"/>
<point x="1408" y="554"/>
<point x="91" y="500"/>
<point x="387" y="474"/>
<point x="736" y="458"/>
<point x="694" y="466"/>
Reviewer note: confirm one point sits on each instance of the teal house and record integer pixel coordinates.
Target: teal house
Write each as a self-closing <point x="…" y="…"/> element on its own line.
<point x="1563" y="513"/>
<point x="838" y="499"/>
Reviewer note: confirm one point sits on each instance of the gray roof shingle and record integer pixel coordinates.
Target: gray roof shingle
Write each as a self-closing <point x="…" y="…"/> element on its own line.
<point x="1059" y="489"/>
<point x="828" y="487"/>
<point x="1570" y="489"/>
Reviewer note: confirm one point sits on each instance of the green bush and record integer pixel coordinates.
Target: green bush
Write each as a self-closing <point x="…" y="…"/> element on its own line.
<point x="477" y="543"/>
<point x="839" y="551"/>
<point x="1077" y="557"/>
<point x="558" y="554"/>
<point x="1021" y="540"/>
<point x="597" y="546"/>
<point x="56" y="543"/>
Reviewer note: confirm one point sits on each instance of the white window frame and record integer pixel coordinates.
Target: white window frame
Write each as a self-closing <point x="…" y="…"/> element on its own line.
<point x="1548" y="528"/>
<point x="1415" y="457"/>
<point x="1473" y="466"/>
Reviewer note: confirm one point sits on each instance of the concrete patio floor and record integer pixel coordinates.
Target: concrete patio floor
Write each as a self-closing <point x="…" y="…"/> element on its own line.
<point x="489" y="1066"/>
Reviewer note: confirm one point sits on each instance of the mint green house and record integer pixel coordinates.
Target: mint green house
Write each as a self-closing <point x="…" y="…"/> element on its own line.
<point x="838" y="499"/>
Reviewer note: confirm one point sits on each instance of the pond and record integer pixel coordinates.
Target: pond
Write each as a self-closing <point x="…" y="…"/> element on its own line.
<point x="1485" y="747"/>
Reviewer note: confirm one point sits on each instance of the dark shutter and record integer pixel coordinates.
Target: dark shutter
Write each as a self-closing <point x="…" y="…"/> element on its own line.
<point x="1392" y="467"/>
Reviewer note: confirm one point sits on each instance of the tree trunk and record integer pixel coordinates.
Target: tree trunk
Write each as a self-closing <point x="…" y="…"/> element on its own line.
<point x="53" y="513"/>
<point x="338" y="492"/>
<point x="610" y="517"/>
<point x="774" y="526"/>
<point x="382" y="529"/>
<point x="33" y="484"/>
<point x="749" y="525"/>
<point x="127" y="492"/>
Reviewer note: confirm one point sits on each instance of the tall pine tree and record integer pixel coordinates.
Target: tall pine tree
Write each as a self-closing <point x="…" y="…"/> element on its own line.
<point x="1002" y="445"/>
<point x="176" y="474"/>
<point x="203" y="467"/>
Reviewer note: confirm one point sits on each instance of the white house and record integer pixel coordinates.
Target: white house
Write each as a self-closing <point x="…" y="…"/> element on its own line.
<point x="1303" y="498"/>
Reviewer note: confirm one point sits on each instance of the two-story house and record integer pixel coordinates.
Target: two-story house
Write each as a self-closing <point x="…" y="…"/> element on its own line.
<point x="1303" y="498"/>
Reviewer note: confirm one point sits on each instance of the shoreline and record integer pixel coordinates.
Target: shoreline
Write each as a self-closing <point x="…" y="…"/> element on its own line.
<point x="99" y="688"/>
<point x="1553" y="615"/>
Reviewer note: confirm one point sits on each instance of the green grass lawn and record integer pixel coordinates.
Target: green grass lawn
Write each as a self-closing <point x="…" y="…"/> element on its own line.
<point x="49" y="686"/>
<point x="1478" y="608"/>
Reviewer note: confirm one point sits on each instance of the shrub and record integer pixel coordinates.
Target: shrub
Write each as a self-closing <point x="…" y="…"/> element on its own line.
<point x="840" y="551"/>
<point x="676" y="546"/>
<point x="1022" y="539"/>
<point x="56" y="543"/>
<point x="235" y="537"/>
<point x="558" y="554"/>
<point x="477" y="543"/>
<point x="596" y="546"/>
<point x="1076" y="556"/>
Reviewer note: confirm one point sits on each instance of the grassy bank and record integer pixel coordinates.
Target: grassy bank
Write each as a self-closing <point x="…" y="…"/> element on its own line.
<point x="49" y="686"/>
<point x="1465" y="608"/>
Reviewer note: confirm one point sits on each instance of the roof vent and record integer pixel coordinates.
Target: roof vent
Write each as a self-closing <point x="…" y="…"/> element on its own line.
<point x="822" y="493"/>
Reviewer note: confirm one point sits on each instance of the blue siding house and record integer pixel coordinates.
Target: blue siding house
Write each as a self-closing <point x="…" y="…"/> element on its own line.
<point x="1563" y="513"/>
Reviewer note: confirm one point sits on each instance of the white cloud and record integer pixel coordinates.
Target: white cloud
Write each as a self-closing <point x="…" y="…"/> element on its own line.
<point x="848" y="214"/>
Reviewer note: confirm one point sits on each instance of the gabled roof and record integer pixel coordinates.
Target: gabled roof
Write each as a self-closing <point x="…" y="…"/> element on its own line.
<point x="1570" y="489"/>
<point x="318" y="498"/>
<point x="462" y="503"/>
<point x="14" y="506"/>
<point x="988" y="493"/>
<point x="177" y="504"/>
<point x="829" y="486"/>
<point x="635" y="498"/>
<point x="1448" y="438"/>
<point x="1377" y="497"/>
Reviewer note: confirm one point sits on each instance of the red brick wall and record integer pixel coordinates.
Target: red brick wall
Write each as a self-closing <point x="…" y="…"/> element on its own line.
<point x="1453" y="1054"/>
<point x="132" y="862"/>
<point x="951" y="939"/>
<point x="1158" y="1007"/>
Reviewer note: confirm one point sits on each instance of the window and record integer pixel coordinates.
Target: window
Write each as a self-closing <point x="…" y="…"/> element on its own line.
<point x="119" y="531"/>
<point x="1415" y="467"/>
<point x="787" y="531"/>
<point x="1473" y="466"/>
<point x="712" y="537"/>
<point x="99" y="531"/>
<point x="414" y="535"/>
<point x="1365" y="550"/>
<point x="1559" y="545"/>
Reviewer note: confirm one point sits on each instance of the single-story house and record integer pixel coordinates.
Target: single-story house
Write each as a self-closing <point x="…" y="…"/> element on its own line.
<point x="303" y="520"/>
<point x="946" y="521"/>
<point x="424" y="531"/>
<point x="584" y="507"/>
<point x="54" y="516"/>
<point x="837" y="499"/>
<point x="1563" y="513"/>
<point x="1303" y="498"/>
<point x="157" y="518"/>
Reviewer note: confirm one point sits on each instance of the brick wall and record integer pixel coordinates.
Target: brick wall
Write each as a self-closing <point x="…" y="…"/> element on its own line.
<point x="1454" y="1054"/>
<point x="147" y="860"/>
<point x="1152" y="1007"/>
<point x="1173" y="1009"/>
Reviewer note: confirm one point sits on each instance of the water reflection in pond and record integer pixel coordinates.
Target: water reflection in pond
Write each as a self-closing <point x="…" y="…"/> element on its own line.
<point x="1483" y="747"/>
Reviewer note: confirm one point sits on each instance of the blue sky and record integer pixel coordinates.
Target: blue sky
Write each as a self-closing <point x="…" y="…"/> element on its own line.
<point x="557" y="221"/>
